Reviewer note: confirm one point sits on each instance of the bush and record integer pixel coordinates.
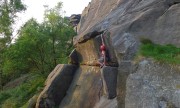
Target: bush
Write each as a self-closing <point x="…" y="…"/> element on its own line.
<point x="17" y="97"/>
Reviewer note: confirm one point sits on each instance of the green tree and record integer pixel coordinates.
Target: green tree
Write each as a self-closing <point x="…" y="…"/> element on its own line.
<point x="59" y="32"/>
<point x="40" y="47"/>
<point x="8" y="11"/>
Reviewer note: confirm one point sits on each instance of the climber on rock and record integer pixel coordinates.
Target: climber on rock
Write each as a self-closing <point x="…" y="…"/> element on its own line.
<point x="108" y="77"/>
<point x="103" y="62"/>
<point x="103" y="58"/>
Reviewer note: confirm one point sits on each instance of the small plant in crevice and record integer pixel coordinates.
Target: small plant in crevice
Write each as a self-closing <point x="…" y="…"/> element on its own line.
<point x="163" y="53"/>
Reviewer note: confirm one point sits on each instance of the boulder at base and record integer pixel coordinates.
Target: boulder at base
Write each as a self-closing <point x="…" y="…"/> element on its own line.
<point x="85" y="90"/>
<point x="56" y="86"/>
<point x="153" y="85"/>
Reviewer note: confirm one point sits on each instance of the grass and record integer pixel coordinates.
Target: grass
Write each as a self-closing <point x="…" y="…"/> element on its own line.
<point x="163" y="53"/>
<point x="18" y="96"/>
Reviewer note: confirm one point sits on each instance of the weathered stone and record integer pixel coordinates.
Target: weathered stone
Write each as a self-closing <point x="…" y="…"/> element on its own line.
<point x="163" y="104"/>
<point x="126" y="47"/>
<point x="84" y="13"/>
<point x="157" y="20"/>
<point x="151" y="83"/>
<point x="172" y="2"/>
<point x="75" y="19"/>
<point x="127" y="21"/>
<point x="89" y="52"/>
<point x="106" y="103"/>
<point x="88" y="36"/>
<point x="167" y="28"/>
<point x="125" y="67"/>
<point x="85" y="90"/>
<point x="121" y="88"/>
<point x="57" y="84"/>
<point x="109" y="75"/>
<point x="32" y="102"/>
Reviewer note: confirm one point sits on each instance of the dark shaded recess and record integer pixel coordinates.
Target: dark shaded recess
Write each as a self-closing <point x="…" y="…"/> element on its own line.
<point x="59" y="86"/>
<point x="174" y="3"/>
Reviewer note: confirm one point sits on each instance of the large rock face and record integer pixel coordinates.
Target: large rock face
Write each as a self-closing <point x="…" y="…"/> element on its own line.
<point x="127" y="21"/>
<point x="124" y="23"/>
<point x="89" y="51"/>
<point x="153" y="85"/>
<point x="157" y="20"/>
<point x="85" y="90"/>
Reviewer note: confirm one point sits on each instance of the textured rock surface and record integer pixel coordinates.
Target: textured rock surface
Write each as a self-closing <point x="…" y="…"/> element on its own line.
<point x="57" y="84"/>
<point x="153" y="86"/>
<point x="109" y="75"/>
<point x="106" y="103"/>
<point x="127" y="22"/>
<point x="124" y="69"/>
<point x="74" y="19"/>
<point x="147" y="85"/>
<point x="157" y="20"/>
<point x="85" y="90"/>
<point x="89" y="52"/>
<point x="125" y="47"/>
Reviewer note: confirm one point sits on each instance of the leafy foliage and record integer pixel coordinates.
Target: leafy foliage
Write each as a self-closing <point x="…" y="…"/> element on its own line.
<point x="16" y="97"/>
<point x="8" y="11"/>
<point x="40" y="47"/>
<point x="163" y="53"/>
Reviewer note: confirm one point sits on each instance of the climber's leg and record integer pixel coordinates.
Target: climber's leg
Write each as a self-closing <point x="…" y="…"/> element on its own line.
<point x="105" y="90"/>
